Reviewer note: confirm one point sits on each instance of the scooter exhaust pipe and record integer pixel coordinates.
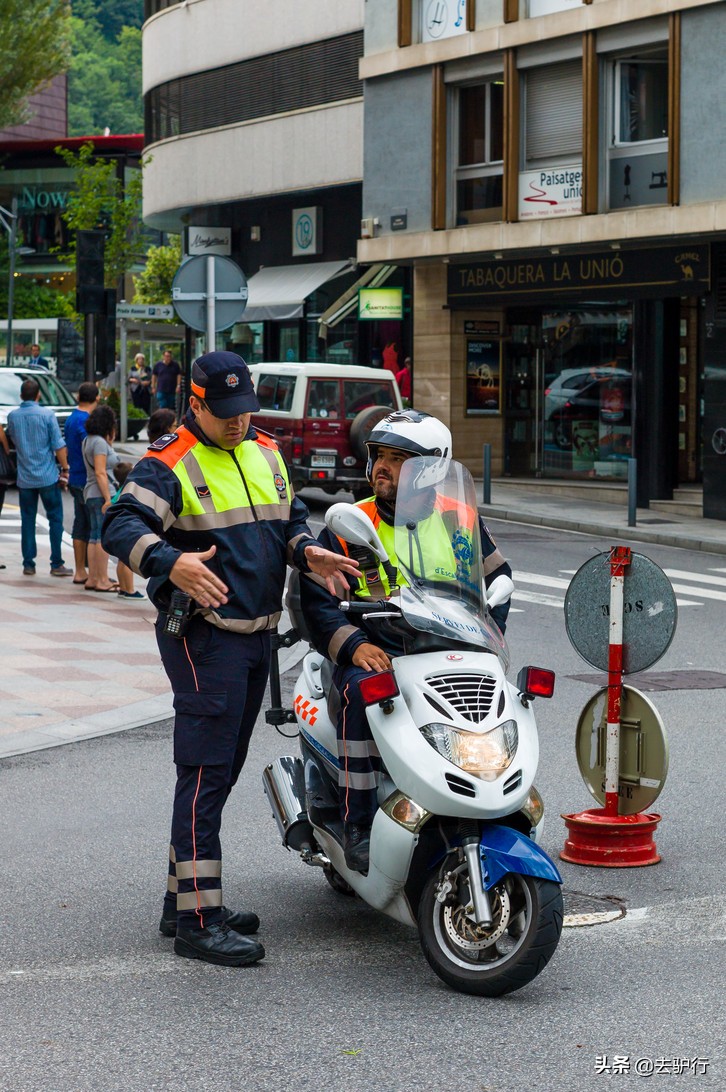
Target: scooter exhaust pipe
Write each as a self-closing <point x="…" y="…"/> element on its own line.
<point x="284" y="784"/>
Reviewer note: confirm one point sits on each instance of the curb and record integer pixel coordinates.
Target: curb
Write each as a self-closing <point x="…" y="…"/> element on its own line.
<point x="679" y="541"/>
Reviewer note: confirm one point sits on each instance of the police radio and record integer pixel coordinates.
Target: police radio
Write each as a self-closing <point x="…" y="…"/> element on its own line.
<point x="178" y="614"/>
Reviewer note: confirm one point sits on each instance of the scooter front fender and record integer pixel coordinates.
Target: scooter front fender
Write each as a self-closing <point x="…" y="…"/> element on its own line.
<point x="504" y="850"/>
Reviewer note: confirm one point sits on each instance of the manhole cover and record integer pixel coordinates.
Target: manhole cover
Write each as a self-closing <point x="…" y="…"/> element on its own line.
<point x="582" y="910"/>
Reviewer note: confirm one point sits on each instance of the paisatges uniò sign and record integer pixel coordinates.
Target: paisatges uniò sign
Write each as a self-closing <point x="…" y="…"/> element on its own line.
<point x="380" y="303"/>
<point x="556" y="191"/>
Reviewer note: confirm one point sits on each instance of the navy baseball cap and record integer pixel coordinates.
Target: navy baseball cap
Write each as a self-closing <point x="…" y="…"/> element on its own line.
<point x="223" y="380"/>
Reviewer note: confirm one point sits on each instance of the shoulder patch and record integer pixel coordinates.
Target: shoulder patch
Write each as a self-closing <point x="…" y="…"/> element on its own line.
<point x="164" y="441"/>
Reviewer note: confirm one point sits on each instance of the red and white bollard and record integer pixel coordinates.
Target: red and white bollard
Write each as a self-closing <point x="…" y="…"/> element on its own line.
<point x="601" y="836"/>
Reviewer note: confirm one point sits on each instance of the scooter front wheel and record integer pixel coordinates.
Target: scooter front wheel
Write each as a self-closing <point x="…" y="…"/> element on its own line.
<point x="489" y="960"/>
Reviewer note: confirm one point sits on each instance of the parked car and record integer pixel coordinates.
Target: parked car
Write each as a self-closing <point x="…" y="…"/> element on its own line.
<point x="598" y="392"/>
<point x="321" y="416"/>
<point x="52" y="392"/>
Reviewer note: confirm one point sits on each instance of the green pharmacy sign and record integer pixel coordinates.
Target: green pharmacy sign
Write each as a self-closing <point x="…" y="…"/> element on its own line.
<point x="380" y="303"/>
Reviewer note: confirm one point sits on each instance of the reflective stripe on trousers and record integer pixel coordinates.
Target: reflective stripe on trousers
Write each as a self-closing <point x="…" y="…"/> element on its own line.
<point x="358" y="755"/>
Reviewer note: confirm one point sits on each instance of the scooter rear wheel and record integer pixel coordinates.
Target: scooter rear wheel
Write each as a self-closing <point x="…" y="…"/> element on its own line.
<point x="505" y="956"/>
<point x="337" y="882"/>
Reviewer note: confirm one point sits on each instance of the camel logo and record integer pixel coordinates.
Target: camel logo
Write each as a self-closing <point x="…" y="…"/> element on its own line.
<point x="232" y="380"/>
<point x="687" y="271"/>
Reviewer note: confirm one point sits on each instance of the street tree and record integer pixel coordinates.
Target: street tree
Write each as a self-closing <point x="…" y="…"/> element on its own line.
<point x="34" y="47"/>
<point x="153" y="285"/>
<point x="101" y="202"/>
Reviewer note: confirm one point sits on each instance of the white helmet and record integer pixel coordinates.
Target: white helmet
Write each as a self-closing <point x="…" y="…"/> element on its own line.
<point x="415" y="433"/>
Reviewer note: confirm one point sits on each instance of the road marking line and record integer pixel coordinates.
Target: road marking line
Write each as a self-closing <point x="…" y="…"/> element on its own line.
<point x="541" y="579"/>
<point x="705" y="593"/>
<point x="683" y="574"/>
<point x="538" y="597"/>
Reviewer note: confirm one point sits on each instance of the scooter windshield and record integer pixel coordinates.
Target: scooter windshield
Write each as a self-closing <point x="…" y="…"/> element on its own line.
<point x="439" y="555"/>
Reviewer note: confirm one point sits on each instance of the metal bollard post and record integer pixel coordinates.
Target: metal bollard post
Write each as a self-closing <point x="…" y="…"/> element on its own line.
<point x="487" y="472"/>
<point x="632" y="490"/>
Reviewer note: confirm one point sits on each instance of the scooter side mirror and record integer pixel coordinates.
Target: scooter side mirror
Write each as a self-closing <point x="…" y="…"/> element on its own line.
<point x="499" y="591"/>
<point x="352" y="525"/>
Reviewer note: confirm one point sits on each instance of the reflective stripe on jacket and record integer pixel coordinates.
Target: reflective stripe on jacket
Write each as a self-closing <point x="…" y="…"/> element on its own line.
<point x="192" y="495"/>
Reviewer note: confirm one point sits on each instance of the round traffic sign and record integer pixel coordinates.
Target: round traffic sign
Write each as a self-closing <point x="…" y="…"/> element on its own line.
<point x="643" y="762"/>
<point x="649" y="612"/>
<point x="189" y="292"/>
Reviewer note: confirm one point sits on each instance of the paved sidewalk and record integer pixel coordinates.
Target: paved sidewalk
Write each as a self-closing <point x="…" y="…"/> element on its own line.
<point x="80" y="664"/>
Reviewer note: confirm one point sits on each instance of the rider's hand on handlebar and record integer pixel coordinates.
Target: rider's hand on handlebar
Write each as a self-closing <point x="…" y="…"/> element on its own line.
<point x="371" y="658"/>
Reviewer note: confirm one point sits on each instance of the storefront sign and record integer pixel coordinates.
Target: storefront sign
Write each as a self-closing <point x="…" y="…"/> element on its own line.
<point x="482" y="376"/>
<point x="682" y="270"/>
<point x="307" y="231"/>
<point x="554" y="191"/>
<point x="481" y="326"/>
<point x="207" y="240"/>
<point x="442" y="19"/>
<point x="380" y="303"/>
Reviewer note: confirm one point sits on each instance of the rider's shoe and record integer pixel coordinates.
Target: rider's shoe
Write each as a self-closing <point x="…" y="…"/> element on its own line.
<point x="356" y="846"/>
<point x="218" y="944"/>
<point x="242" y="921"/>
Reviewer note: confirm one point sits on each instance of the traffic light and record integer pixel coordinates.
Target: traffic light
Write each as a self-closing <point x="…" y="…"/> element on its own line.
<point x="90" y="292"/>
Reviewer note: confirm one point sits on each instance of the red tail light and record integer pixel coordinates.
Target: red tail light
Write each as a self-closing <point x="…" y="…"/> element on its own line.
<point x="536" y="682"/>
<point x="297" y="449"/>
<point x="378" y="687"/>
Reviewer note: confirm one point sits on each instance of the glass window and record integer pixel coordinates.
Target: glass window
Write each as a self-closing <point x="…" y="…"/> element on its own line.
<point x="641" y="108"/>
<point x="323" y="398"/>
<point x="637" y="128"/>
<point x="478" y="173"/>
<point x="361" y="393"/>
<point x="274" y="392"/>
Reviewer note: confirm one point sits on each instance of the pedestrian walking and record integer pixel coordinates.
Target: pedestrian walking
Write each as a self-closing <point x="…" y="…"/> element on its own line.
<point x="100" y="460"/>
<point x="75" y="434"/>
<point x="7" y="470"/>
<point x="40" y="450"/>
<point x="166" y="381"/>
<point x="140" y="384"/>
<point x="209" y="515"/>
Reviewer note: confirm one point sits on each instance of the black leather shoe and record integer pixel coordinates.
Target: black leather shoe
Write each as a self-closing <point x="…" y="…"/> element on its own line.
<point x="218" y="944"/>
<point x="242" y="921"/>
<point x="356" y="846"/>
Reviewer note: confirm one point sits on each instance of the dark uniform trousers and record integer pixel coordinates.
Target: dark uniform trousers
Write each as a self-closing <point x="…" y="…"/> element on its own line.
<point x="358" y="756"/>
<point x="218" y="679"/>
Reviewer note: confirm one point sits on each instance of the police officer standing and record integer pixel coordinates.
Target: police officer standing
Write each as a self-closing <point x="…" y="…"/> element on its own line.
<point x="209" y="511"/>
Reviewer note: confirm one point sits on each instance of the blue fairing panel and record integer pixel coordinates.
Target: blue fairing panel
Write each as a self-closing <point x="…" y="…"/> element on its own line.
<point x="505" y="850"/>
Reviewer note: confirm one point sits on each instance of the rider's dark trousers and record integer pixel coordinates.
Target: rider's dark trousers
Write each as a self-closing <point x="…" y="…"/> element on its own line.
<point x="358" y="757"/>
<point x="218" y="679"/>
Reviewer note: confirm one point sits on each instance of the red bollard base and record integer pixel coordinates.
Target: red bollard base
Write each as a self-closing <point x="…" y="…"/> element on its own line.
<point x="610" y="841"/>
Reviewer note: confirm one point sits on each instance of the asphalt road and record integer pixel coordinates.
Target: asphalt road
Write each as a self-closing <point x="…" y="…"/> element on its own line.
<point x="94" y="999"/>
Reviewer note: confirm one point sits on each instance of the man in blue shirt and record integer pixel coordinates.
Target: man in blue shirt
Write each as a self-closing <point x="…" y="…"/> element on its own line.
<point x="38" y="443"/>
<point x="75" y="434"/>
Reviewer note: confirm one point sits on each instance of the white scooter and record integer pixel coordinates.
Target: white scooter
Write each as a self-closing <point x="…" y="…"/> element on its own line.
<point x="454" y="843"/>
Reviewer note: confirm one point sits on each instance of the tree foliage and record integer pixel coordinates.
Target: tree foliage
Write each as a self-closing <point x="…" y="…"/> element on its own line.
<point x="34" y="47"/>
<point x="100" y="202"/>
<point x="105" y="80"/>
<point x="154" y="284"/>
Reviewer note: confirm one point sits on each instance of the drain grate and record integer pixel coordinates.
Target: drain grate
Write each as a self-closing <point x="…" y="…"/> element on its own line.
<point x="582" y="910"/>
<point x="664" y="680"/>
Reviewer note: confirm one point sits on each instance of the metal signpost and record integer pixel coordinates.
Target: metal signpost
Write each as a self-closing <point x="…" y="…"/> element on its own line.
<point x="124" y="312"/>
<point x="620" y="615"/>
<point x="209" y="294"/>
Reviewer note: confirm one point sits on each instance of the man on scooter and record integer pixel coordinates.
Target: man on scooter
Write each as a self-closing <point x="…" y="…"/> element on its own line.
<point x="398" y="437"/>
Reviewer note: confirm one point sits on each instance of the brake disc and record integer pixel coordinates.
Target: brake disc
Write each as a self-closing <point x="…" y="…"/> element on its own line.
<point x="463" y="931"/>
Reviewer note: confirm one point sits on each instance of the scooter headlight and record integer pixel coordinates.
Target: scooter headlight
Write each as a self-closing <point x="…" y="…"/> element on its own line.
<point x="484" y="754"/>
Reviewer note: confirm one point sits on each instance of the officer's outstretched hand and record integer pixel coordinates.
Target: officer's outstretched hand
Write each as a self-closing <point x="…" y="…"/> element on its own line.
<point x="191" y="575"/>
<point x="371" y="658"/>
<point x="332" y="567"/>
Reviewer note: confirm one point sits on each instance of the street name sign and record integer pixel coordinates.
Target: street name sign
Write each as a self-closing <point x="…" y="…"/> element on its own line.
<point x="144" y="311"/>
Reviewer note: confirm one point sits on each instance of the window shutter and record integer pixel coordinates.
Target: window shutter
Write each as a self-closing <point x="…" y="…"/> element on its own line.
<point x="554" y="111"/>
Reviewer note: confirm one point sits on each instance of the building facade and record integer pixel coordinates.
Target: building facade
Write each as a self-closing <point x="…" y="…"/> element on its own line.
<point x="552" y="172"/>
<point x="254" y="122"/>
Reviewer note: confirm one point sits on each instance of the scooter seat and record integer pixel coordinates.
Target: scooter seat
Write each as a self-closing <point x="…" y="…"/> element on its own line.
<point x="331" y="690"/>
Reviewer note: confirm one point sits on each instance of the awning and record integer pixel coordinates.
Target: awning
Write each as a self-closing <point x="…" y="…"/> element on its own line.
<point x="374" y="276"/>
<point x="279" y="291"/>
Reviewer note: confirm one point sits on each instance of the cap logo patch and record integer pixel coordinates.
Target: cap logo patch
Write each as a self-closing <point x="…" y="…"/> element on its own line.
<point x="232" y="380"/>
